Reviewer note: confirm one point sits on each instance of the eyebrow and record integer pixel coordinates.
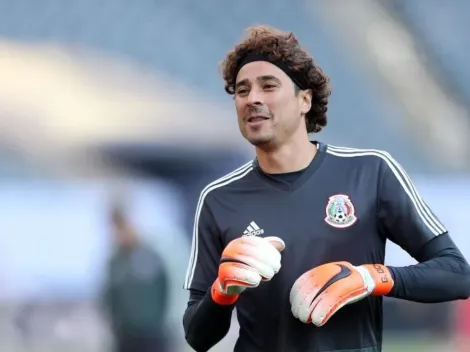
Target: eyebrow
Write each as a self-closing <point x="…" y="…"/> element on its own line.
<point x="260" y="79"/>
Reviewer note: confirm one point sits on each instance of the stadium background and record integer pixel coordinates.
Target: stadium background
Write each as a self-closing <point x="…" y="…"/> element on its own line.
<point x="103" y="99"/>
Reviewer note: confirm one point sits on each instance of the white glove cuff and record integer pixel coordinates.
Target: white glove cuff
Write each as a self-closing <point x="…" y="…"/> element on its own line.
<point x="367" y="277"/>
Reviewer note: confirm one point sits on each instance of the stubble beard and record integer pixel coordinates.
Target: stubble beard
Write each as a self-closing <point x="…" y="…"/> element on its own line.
<point x="259" y="139"/>
<point x="270" y="140"/>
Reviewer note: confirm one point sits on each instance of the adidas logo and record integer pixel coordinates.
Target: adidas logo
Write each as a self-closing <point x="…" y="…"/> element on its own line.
<point x="253" y="230"/>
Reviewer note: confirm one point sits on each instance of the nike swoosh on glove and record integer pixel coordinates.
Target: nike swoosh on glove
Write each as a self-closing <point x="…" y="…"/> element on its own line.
<point x="245" y="263"/>
<point x="319" y="293"/>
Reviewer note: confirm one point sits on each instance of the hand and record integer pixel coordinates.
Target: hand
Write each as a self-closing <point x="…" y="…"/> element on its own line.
<point x="245" y="262"/>
<point x="319" y="293"/>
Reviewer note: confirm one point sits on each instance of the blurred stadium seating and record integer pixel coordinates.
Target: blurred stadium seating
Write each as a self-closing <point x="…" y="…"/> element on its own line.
<point x="105" y="96"/>
<point x="440" y="31"/>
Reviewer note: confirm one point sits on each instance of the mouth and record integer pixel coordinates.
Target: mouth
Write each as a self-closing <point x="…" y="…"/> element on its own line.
<point x="256" y="119"/>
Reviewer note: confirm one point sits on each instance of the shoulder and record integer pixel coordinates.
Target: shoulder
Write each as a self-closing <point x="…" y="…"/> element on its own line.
<point x="147" y="249"/>
<point x="224" y="183"/>
<point x="362" y="156"/>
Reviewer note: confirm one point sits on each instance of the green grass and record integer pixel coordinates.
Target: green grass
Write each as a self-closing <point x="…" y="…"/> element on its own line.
<point x="415" y="345"/>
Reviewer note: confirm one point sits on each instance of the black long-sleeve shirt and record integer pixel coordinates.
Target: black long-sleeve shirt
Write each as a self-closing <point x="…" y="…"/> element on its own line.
<point x="444" y="275"/>
<point x="344" y="206"/>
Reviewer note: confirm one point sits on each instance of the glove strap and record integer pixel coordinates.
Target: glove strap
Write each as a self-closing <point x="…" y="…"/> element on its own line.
<point x="382" y="277"/>
<point x="221" y="298"/>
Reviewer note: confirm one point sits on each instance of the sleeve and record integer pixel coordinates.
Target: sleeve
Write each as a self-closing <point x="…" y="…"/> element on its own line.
<point x="107" y="297"/>
<point x="205" y="322"/>
<point x="162" y="284"/>
<point x="404" y="217"/>
<point x="441" y="275"/>
<point x="206" y="249"/>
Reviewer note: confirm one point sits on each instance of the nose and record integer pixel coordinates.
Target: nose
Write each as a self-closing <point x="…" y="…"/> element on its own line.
<point x="255" y="97"/>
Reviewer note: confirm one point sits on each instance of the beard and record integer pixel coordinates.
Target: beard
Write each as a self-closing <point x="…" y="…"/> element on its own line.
<point x="261" y="134"/>
<point x="259" y="140"/>
<point x="264" y="140"/>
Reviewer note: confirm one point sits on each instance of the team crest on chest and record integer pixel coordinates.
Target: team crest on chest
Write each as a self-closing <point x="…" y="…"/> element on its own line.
<point x="340" y="211"/>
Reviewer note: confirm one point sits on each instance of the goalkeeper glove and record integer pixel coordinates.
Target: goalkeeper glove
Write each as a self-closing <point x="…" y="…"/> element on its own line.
<point x="245" y="262"/>
<point x="322" y="291"/>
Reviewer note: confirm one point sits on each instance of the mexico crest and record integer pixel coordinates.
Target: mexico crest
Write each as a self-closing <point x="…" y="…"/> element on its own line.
<point x="340" y="211"/>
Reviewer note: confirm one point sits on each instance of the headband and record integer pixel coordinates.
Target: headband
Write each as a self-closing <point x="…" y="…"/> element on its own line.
<point x="298" y="78"/>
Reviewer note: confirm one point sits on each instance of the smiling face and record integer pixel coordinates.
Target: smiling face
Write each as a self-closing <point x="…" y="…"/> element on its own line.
<point x="270" y="109"/>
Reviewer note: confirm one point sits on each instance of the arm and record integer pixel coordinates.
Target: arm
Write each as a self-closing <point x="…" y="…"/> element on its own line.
<point x="162" y="288"/>
<point x="111" y="310"/>
<point x="106" y="296"/>
<point x="205" y="322"/>
<point x="442" y="273"/>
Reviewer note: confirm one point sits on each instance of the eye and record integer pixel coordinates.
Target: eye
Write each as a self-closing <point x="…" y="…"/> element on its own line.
<point x="242" y="91"/>
<point x="269" y="86"/>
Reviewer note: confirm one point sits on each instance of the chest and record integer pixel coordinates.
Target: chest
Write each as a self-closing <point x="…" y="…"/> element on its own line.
<point x="318" y="223"/>
<point x="134" y="267"/>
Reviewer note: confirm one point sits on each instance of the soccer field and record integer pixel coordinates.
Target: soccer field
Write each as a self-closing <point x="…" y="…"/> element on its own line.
<point x="416" y="346"/>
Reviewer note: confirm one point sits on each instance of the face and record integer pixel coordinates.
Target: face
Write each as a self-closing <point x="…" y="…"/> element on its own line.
<point x="123" y="235"/>
<point x="269" y="110"/>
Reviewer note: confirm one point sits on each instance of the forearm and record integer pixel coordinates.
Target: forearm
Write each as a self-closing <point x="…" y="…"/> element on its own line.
<point x="205" y="322"/>
<point x="442" y="275"/>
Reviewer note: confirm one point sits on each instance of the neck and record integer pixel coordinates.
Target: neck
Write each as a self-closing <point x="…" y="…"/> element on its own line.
<point x="289" y="157"/>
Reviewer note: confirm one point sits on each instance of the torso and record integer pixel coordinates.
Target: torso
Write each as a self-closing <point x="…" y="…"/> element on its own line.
<point x="302" y="213"/>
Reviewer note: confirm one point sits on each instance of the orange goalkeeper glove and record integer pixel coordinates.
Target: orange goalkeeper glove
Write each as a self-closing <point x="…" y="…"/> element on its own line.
<point x="322" y="291"/>
<point x="245" y="262"/>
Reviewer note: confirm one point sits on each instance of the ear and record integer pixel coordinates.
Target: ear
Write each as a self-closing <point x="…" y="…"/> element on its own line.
<point x="306" y="101"/>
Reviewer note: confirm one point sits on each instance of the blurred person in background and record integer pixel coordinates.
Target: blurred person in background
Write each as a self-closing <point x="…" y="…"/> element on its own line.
<point x="325" y="212"/>
<point x="136" y="291"/>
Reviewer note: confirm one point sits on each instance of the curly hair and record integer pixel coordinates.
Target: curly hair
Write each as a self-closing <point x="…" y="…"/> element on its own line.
<point x="282" y="46"/>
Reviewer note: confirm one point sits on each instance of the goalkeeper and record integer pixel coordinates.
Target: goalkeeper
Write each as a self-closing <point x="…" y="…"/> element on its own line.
<point x="295" y="239"/>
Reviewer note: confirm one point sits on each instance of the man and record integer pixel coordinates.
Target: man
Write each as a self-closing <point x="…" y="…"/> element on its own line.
<point x="323" y="212"/>
<point x="136" y="291"/>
